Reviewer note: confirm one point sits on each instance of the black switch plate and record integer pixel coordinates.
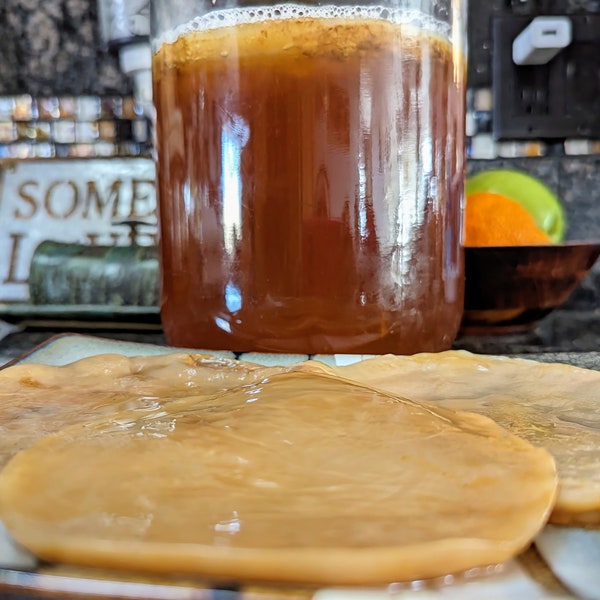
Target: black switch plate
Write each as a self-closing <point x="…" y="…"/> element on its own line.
<point x="558" y="100"/>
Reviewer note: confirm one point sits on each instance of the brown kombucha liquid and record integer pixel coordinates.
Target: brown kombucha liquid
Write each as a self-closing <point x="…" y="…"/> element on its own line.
<point x="310" y="174"/>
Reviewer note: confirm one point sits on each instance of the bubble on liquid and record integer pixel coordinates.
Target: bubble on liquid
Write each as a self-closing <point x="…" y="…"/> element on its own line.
<point x="232" y="17"/>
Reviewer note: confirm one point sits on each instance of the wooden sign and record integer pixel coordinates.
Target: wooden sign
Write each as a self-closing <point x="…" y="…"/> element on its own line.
<point x="69" y="200"/>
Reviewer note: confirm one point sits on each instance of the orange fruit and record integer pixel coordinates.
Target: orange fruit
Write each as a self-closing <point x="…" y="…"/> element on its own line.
<point x="495" y="220"/>
<point x="530" y="192"/>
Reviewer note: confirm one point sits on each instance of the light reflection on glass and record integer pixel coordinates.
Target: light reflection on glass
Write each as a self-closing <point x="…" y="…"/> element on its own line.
<point x="416" y="161"/>
<point x="223" y="324"/>
<point x="233" y="297"/>
<point x="362" y="193"/>
<point x="427" y="156"/>
<point x="234" y="136"/>
<point x="188" y="201"/>
<point x="365" y="107"/>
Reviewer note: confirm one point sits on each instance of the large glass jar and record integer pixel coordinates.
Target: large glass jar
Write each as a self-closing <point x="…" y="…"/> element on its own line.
<point x="310" y="167"/>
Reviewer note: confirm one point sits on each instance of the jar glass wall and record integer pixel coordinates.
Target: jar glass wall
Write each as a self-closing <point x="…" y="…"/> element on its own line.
<point x="310" y="168"/>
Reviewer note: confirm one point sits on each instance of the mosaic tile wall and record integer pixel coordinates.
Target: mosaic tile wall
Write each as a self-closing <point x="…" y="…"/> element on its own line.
<point x="53" y="56"/>
<point x="68" y="126"/>
<point x="482" y="144"/>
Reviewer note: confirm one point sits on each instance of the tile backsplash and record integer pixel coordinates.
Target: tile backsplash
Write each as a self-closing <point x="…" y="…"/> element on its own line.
<point x="52" y="52"/>
<point x="72" y="126"/>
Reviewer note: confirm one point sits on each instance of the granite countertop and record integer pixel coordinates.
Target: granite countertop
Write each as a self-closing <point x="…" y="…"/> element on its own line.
<point x="563" y="336"/>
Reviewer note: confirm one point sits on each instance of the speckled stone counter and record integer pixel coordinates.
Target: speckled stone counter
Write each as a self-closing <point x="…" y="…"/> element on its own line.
<point x="53" y="47"/>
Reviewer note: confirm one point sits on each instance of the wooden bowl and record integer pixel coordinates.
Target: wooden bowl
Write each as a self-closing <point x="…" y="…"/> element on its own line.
<point x="510" y="288"/>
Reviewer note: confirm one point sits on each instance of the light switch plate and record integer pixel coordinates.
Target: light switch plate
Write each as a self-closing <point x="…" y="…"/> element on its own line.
<point x="557" y="100"/>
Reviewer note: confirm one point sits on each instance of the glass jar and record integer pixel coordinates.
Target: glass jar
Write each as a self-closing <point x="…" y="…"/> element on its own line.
<point x="310" y="169"/>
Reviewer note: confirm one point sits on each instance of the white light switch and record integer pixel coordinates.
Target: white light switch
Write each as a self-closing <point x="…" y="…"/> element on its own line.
<point x="542" y="40"/>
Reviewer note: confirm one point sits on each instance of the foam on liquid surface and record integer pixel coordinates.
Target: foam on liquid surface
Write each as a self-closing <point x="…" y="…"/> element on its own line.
<point x="281" y="12"/>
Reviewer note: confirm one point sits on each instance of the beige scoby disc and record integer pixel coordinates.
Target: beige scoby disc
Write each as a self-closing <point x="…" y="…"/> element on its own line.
<point x="37" y="399"/>
<point x="298" y="478"/>
<point x="552" y="405"/>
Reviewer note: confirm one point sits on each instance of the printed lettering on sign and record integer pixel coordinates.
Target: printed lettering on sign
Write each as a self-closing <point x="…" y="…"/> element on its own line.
<point x="82" y="201"/>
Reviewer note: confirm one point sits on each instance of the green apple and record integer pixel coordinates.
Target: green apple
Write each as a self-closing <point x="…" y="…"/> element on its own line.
<point x="533" y="195"/>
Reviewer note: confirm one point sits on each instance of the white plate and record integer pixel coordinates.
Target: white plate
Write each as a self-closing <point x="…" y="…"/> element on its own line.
<point x="574" y="556"/>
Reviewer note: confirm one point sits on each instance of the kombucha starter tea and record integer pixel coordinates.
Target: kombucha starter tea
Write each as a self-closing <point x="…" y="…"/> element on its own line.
<point x="310" y="175"/>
